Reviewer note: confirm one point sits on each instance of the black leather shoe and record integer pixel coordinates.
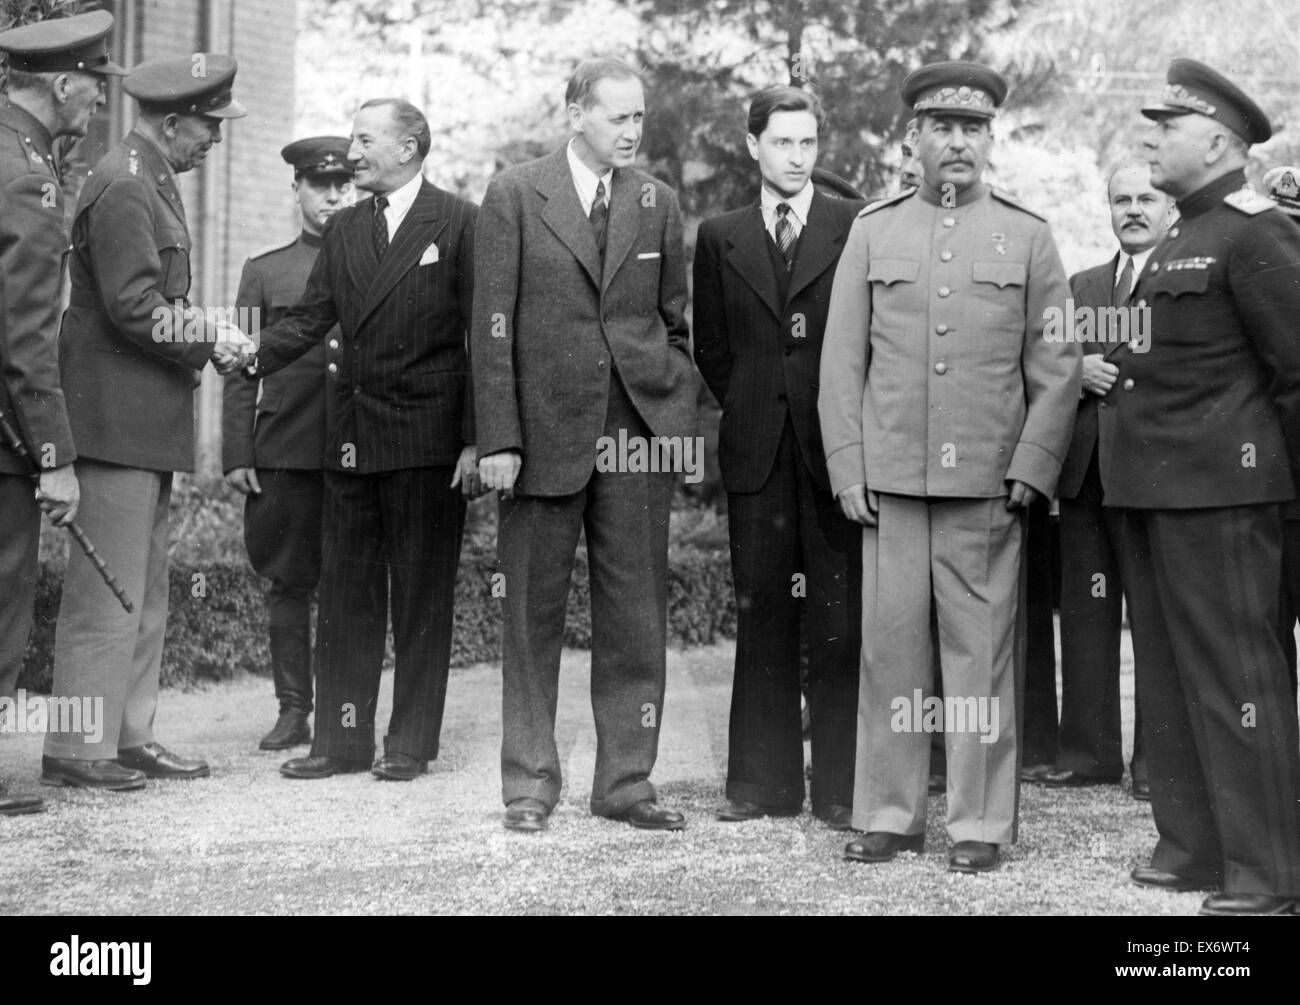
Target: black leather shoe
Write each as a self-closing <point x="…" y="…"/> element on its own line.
<point x="837" y="816"/>
<point x="651" y="817"/>
<point x="938" y="785"/>
<point x="882" y="846"/>
<point x="156" y="761"/>
<point x="399" y="767"/>
<point x="1067" y="779"/>
<point x="1146" y="875"/>
<point x="319" y="767"/>
<point x="13" y="806"/>
<point x="90" y="774"/>
<point x="973" y="856"/>
<point x="1034" y="772"/>
<point x="527" y="815"/>
<point x="290" y="730"/>
<point x="740" y="810"/>
<point x="1232" y="904"/>
<point x="1142" y="791"/>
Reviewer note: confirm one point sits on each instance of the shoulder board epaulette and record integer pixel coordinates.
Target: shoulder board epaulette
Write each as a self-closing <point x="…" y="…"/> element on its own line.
<point x="1010" y="200"/>
<point x="1248" y="201"/>
<point x="882" y="203"/>
<point x="266" y="251"/>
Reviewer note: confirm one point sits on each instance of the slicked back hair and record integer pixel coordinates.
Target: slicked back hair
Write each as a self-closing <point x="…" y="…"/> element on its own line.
<point x="782" y="99"/>
<point x="581" y="90"/>
<point x="410" y="121"/>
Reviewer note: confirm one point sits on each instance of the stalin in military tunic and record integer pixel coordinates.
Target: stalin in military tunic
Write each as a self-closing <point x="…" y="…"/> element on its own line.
<point x="55" y="85"/>
<point x="130" y="353"/>
<point x="273" y="437"/>
<point x="1198" y="468"/>
<point x="945" y="413"/>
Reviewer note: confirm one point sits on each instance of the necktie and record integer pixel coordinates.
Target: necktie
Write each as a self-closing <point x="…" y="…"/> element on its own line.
<point x="785" y="235"/>
<point x="380" y="227"/>
<point x="599" y="216"/>
<point x="1119" y="296"/>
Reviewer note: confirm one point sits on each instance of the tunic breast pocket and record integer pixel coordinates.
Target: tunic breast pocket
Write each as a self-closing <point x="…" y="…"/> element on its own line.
<point x="892" y="270"/>
<point x="173" y="263"/>
<point x="998" y="294"/>
<point x="1177" y="282"/>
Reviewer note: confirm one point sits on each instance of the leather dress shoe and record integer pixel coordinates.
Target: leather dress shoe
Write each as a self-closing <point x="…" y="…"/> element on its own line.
<point x="1034" y="772"/>
<point x="1067" y="779"/>
<point x="15" y="805"/>
<point x="1142" y="791"/>
<point x="290" y="730"/>
<point x="156" y="761"/>
<point x="527" y="815"/>
<point x="1148" y="875"/>
<point x="319" y="766"/>
<point x="398" y="767"/>
<point x="882" y="846"/>
<point x="650" y="816"/>
<point x="740" y="810"/>
<point x="1227" y="904"/>
<point x="90" y="774"/>
<point x="837" y="816"/>
<point x="973" y="856"/>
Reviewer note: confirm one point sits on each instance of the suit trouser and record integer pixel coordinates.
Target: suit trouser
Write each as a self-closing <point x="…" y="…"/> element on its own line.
<point x="1040" y="735"/>
<point x="100" y="650"/>
<point x="1219" y="721"/>
<point x="625" y="517"/>
<point x="793" y="527"/>
<point x="963" y="558"/>
<point x="20" y="517"/>
<point x="1092" y="595"/>
<point x="404" y="526"/>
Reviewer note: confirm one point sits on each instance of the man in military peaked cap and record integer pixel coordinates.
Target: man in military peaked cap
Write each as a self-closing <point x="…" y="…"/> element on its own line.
<point x="1205" y="420"/>
<point x="273" y="436"/>
<point x="130" y="353"/>
<point x="55" y="85"/>
<point x="945" y="413"/>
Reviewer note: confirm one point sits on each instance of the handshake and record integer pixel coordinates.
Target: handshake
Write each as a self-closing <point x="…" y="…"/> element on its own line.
<point x="234" y="351"/>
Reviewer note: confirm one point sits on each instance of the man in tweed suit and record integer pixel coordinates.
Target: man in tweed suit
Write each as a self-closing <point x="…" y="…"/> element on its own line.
<point x="579" y="339"/>
<point x="395" y="273"/>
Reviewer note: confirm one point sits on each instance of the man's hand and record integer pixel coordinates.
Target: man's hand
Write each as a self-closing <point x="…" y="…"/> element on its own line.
<point x="498" y="471"/>
<point x="860" y="504"/>
<point x="1022" y="496"/>
<point x="1098" y="375"/>
<point x="244" y="481"/>
<point x="233" y="350"/>
<point x="467" y="476"/>
<point x="59" y="495"/>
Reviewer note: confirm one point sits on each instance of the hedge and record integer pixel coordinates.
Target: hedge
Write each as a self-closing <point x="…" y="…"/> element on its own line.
<point x="216" y="624"/>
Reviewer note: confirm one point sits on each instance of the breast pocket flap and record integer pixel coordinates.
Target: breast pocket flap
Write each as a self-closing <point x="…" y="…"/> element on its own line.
<point x="893" y="270"/>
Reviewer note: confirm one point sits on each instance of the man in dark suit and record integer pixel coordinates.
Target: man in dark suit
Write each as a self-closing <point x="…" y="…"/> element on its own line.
<point x="762" y="286"/>
<point x="273" y="437"/>
<point x="580" y="342"/>
<point x="395" y="273"/>
<point x="1198" y="466"/>
<point x="130" y="352"/>
<point x="55" y="85"/>
<point x="1091" y="586"/>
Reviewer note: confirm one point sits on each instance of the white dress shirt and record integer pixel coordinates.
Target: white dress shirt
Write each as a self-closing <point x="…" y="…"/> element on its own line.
<point x="399" y="203"/>
<point x="800" y="203"/>
<point x="585" y="181"/>
<point x="1139" y="263"/>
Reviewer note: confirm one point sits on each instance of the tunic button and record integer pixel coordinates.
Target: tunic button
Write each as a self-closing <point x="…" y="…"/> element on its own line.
<point x="941" y="329"/>
<point x="333" y="368"/>
<point x="944" y="291"/>
<point x="1142" y="305"/>
<point x="949" y="221"/>
<point x="946" y="256"/>
<point x="334" y="343"/>
<point x="600" y="364"/>
<point x="1173" y="232"/>
<point x="941" y="368"/>
<point x="1128" y="384"/>
<point x="1155" y="266"/>
<point x="1135" y="345"/>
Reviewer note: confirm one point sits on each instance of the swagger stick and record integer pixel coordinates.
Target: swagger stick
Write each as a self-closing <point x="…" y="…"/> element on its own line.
<point x="20" y="448"/>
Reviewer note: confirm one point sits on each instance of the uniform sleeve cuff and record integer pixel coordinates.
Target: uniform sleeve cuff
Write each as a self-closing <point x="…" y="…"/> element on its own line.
<point x="1036" y="466"/>
<point x="846" y="467"/>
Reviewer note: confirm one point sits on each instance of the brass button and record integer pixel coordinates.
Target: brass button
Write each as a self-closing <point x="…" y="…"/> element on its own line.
<point x="941" y="368"/>
<point x="944" y="291"/>
<point x="334" y="343"/>
<point x="949" y="221"/>
<point x="333" y="368"/>
<point x="941" y="329"/>
<point x="1173" y="232"/>
<point x="600" y="364"/>
<point x="1142" y="304"/>
<point x="1155" y="266"/>
<point x="1128" y="384"/>
<point x="945" y="256"/>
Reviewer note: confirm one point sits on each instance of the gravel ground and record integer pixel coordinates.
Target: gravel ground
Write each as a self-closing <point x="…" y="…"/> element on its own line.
<point x="247" y="841"/>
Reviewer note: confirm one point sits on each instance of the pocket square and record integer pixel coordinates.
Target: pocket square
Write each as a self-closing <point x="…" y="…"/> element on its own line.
<point x="647" y="254"/>
<point x="430" y="255"/>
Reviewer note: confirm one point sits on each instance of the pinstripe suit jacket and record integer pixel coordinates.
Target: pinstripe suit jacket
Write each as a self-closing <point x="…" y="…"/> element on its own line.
<point x="397" y="372"/>
<point x="1089" y="288"/>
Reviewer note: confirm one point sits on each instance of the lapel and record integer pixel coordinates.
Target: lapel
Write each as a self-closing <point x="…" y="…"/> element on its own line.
<point x="153" y="164"/>
<point x="419" y="229"/>
<point x="748" y="256"/>
<point x="819" y="246"/>
<point x="1105" y="289"/>
<point x="563" y="215"/>
<point x="359" y="248"/>
<point x="624" y="214"/>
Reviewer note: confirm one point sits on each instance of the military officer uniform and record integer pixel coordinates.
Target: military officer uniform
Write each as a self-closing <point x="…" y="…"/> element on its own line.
<point x="277" y="428"/>
<point x="1198" y="467"/>
<point x="131" y="349"/>
<point x="33" y="242"/>
<point x="938" y="389"/>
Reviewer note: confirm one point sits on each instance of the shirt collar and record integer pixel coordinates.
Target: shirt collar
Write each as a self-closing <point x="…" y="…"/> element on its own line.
<point x="1139" y="263"/>
<point x="800" y="203"/>
<point x="400" y="199"/>
<point x="585" y="179"/>
<point x="963" y="197"/>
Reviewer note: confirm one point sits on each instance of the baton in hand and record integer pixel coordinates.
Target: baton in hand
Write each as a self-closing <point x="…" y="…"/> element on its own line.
<point x="20" y="448"/>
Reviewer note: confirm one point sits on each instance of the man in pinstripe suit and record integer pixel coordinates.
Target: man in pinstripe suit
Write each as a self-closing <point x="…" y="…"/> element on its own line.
<point x="395" y="272"/>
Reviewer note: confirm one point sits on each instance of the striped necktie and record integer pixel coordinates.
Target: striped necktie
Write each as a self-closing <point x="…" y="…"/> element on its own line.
<point x="380" y="230"/>
<point x="599" y="216"/>
<point x="785" y="235"/>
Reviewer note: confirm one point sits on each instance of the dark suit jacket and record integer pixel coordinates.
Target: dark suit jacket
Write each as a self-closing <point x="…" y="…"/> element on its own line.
<point x="1089" y="288"/>
<point x="33" y="240"/>
<point x="397" y="379"/>
<point x="761" y="358"/>
<point x="131" y="347"/>
<point x="283" y="427"/>
<point x="549" y="322"/>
